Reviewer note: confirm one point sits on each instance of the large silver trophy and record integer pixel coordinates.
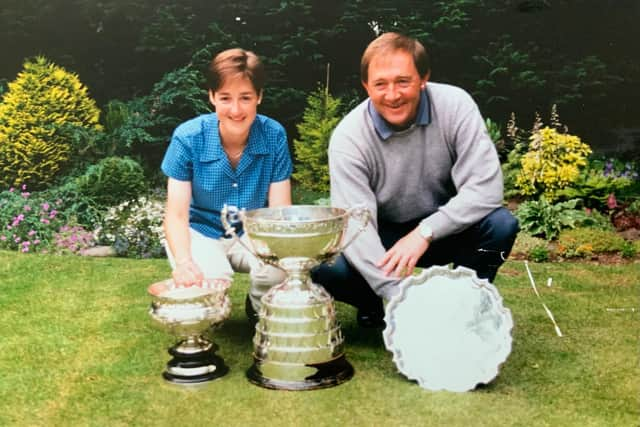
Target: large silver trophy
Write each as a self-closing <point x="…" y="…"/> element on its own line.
<point x="298" y="343"/>
<point x="189" y="313"/>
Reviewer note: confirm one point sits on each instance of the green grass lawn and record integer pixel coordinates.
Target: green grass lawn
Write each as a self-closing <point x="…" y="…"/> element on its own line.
<point x="79" y="348"/>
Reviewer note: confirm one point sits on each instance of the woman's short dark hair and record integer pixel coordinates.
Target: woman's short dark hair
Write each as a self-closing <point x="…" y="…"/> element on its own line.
<point x="390" y="42"/>
<point x="235" y="62"/>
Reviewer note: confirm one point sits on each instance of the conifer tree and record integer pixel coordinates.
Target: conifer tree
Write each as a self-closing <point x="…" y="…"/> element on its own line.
<point x="319" y="119"/>
<point x="40" y="104"/>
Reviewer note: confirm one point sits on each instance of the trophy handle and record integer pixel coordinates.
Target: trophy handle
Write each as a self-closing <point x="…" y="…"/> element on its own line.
<point x="359" y="213"/>
<point x="231" y="214"/>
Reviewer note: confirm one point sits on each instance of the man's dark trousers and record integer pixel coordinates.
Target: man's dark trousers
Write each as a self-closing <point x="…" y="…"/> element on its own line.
<point x="482" y="247"/>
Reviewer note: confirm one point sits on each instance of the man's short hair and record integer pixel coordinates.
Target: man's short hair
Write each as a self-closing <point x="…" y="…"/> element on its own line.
<point x="390" y="42"/>
<point x="235" y="62"/>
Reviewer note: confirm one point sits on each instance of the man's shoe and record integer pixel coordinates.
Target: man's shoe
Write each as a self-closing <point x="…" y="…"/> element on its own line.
<point x="371" y="319"/>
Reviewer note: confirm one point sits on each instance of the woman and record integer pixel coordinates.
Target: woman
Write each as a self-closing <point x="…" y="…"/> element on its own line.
<point x="233" y="156"/>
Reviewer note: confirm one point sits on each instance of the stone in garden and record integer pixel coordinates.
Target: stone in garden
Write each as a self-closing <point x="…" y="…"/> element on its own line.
<point x="99" y="251"/>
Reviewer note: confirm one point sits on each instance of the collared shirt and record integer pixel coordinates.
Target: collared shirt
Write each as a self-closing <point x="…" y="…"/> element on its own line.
<point x="196" y="154"/>
<point x="383" y="128"/>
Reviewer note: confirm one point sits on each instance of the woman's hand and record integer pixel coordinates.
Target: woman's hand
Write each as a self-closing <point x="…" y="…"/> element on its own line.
<point x="187" y="273"/>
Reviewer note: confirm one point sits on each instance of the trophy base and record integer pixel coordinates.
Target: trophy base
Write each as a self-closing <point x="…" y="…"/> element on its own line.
<point x="194" y="368"/>
<point x="327" y="374"/>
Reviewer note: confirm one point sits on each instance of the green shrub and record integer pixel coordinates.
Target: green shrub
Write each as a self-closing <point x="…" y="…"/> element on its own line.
<point x="594" y="218"/>
<point x="320" y="118"/>
<point x="525" y="243"/>
<point x="519" y="142"/>
<point x="593" y="187"/>
<point x="40" y="102"/>
<point x="112" y="181"/>
<point x="634" y="207"/>
<point x="628" y="250"/>
<point x="543" y="219"/>
<point x="495" y="133"/>
<point x="552" y="163"/>
<point x="539" y="254"/>
<point x="586" y="241"/>
<point x="79" y="208"/>
<point x="142" y="127"/>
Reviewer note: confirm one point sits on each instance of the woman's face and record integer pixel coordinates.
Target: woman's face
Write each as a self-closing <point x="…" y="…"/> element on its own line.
<point x="236" y="103"/>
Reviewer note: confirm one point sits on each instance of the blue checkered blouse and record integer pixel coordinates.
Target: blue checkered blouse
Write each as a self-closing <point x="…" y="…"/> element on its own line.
<point x="196" y="154"/>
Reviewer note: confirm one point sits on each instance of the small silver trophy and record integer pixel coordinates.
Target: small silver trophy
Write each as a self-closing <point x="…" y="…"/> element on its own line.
<point x="298" y="343"/>
<point x="187" y="313"/>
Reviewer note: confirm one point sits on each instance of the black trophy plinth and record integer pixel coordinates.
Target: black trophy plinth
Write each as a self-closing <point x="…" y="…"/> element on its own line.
<point x="194" y="367"/>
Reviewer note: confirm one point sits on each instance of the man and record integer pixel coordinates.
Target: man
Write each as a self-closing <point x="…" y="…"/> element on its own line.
<point x="417" y="154"/>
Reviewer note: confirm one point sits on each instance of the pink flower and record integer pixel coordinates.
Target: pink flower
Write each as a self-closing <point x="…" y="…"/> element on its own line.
<point x="25" y="194"/>
<point x="35" y="242"/>
<point x="611" y="201"/>
<point x="24" y="187"/>
<point x="25" y="249"/>
<point x="31" y="232"/>
<point x="45" y="206"/>
<point x="3" y="237"/>
<point x="44" y="220"/>
<point x="27" y="208"/>
<point x="53" y="213"/>
<point x="17" y="239"/>
<point x="11" y="190"/>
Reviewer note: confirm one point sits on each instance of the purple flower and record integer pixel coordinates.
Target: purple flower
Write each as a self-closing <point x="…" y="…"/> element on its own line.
<point x="17" y="220"/>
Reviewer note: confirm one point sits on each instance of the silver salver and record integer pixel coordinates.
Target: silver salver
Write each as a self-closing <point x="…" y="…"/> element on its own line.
<point x="447" y="329"/>
<point x="298" y="343"/>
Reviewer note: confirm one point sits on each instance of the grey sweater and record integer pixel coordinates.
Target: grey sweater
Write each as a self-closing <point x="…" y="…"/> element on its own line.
<point x="447" y="172"/>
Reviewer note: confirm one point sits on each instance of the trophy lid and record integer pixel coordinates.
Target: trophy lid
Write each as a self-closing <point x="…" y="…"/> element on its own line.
<point x="447" y="329"/>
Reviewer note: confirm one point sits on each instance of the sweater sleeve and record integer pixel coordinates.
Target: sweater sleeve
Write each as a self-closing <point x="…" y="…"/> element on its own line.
<point x="350" y="188"/>
<point x="476" y="173"/>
